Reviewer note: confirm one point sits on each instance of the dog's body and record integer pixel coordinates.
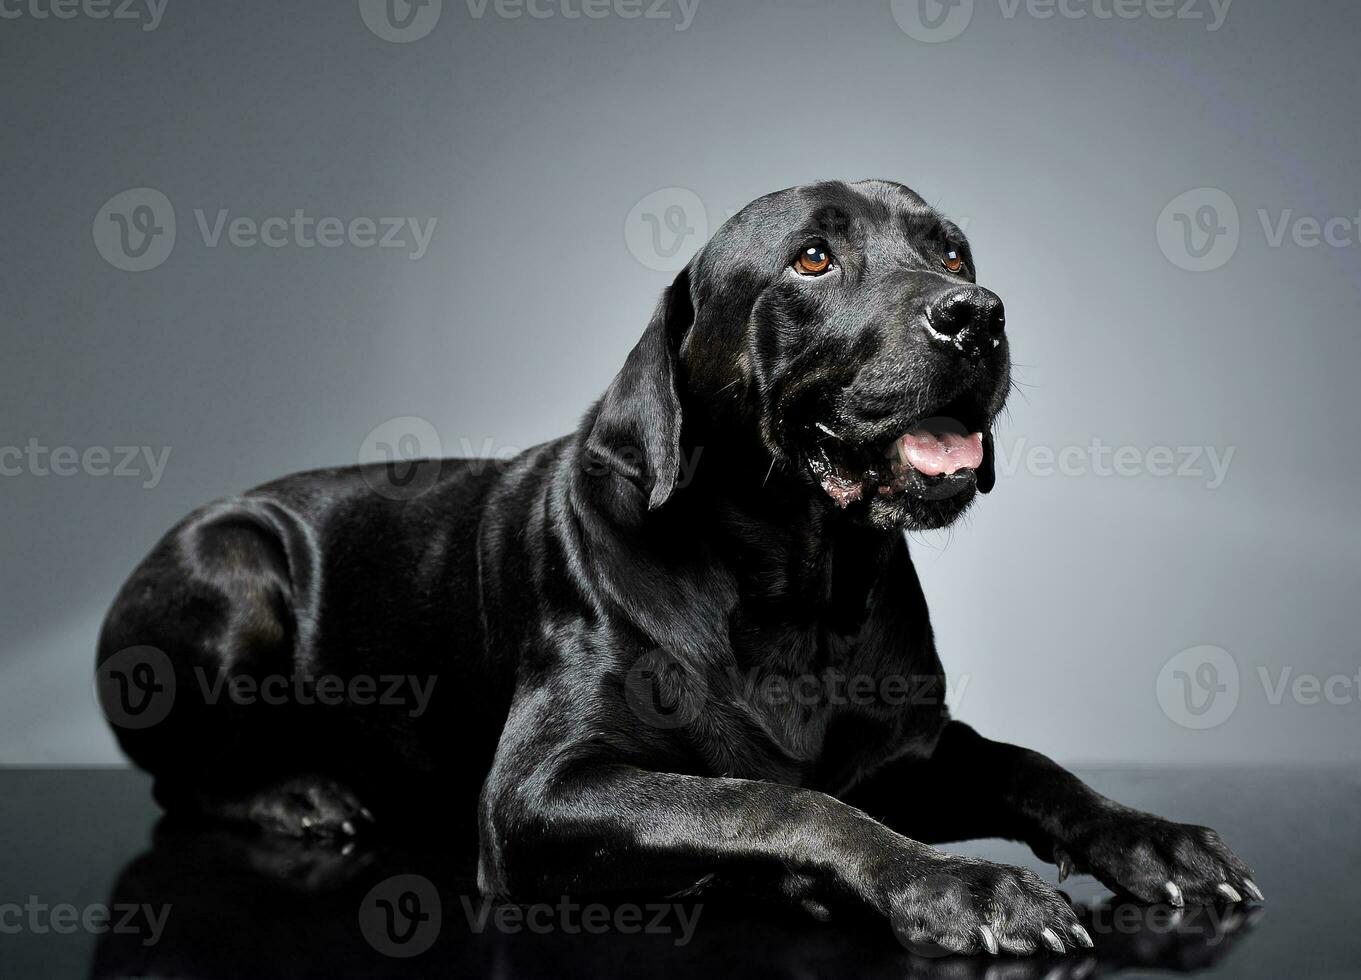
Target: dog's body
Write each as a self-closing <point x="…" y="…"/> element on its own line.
<point x="686" y="641"/>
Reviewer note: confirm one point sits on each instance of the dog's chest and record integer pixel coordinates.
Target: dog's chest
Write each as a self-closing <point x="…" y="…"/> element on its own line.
<point x="831" y="705"/>
<point x="834" y="666"/>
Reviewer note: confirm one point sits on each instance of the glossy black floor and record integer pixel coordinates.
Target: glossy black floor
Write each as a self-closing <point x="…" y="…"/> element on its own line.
<point x="187" y="903"/>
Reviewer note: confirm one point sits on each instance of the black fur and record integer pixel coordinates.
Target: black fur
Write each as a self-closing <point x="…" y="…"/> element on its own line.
<point x="637" y="633"/>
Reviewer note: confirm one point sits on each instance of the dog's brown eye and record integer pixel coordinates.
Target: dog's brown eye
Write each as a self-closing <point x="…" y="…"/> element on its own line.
<point x="813" y="261"/>
<point x="953" y="260"/>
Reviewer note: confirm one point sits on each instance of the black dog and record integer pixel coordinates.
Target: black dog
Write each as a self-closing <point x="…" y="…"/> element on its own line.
<point x="685" y="643"/>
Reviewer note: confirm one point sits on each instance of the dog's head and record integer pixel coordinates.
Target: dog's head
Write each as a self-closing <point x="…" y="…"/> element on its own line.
<point x="836" y="334"/>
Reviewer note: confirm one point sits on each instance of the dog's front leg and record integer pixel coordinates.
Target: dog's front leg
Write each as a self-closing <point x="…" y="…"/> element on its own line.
<point x="592" y="827"/>
<point x="973" y="787"/>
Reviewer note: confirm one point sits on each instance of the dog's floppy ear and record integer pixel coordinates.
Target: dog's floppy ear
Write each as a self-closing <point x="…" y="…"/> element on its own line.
<point x="633" y="442"/>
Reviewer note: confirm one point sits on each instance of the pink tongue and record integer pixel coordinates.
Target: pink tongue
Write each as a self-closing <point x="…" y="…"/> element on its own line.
<point x="933" y="455"/>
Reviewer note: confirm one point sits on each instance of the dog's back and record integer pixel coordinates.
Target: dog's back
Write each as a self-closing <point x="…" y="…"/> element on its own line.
<point x="275" y="634"/>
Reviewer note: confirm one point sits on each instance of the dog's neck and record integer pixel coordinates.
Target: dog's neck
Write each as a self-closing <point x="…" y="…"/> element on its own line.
<point x="786" y="546"/>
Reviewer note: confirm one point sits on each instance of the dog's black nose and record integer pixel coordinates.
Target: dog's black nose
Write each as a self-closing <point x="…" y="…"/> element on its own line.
<point x="970" y="319"/>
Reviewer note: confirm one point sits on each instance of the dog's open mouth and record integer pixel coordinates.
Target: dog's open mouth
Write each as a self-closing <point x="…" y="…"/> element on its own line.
<point x="936" y="458"/>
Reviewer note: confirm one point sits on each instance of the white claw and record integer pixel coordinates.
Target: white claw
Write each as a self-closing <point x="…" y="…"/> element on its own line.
<point x="989" y="940"/>
<point x="1052" y="940"/>
<point x="1064" y="862"/>
<point x="1174" y="894"/>
<point x="1228" y="891"/>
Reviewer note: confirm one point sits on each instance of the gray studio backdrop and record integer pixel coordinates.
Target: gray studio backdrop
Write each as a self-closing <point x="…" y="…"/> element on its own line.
<point x="242" y="237"/>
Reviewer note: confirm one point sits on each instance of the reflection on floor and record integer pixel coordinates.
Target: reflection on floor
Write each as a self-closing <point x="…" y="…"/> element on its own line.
<point x="311" y="910"/>
<point x="210" y="902"/>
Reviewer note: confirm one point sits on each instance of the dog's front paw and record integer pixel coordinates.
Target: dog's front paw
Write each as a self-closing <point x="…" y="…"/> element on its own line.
<point x="308" y="806"/>
<point x="961" y="905"/>
<point x="1156" y="860"/>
